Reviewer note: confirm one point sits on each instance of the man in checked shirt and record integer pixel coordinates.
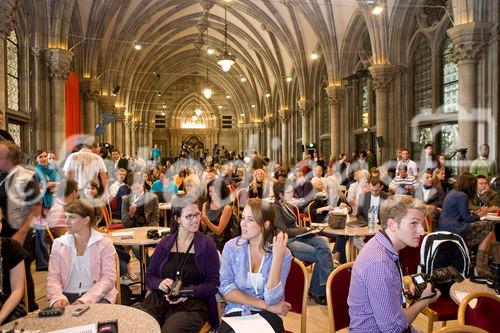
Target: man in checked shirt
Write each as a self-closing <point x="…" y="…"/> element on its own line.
<point x="376" y="294"/>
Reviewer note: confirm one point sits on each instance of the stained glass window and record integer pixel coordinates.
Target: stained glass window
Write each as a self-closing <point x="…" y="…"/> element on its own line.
<point x="423" y="137"/>
<point x="12" y="72"/>
<point x="15" y="131"/>
<point x="362" y="103"/>
<point x="325" y="111"/>
<point x="449" y="138"/>
<point x="422" y="75"/>
<point x="449" y="77"/>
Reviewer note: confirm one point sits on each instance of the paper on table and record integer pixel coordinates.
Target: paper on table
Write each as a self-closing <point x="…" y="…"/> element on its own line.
<point x="461" y="295"/>
<point x="249" y="324"/>
<point x="90" y="328"/>
<point x="122" y="233"/>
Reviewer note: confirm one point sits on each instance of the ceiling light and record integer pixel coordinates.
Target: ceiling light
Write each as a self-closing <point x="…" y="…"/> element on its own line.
<point x="314" y="56"/>
<point x="163" y="113"/>
<point x="158" y="93"/>
<point x="210" y="51"/>
<point x="207" y="92"/>
<point x="253" y="105"/>
<point x="377" y="10"/>
<point x="289" y="79"/>
<point x="137" y="46"/>
<point x="243" y="79"/>
<point x="219" y="107"/>
<point x="226" y="60"/>
<point x="228" y="96"/>
<point x="164" y="106"/>
<point x="268" y="95"/>
<point x="242" y="114"/>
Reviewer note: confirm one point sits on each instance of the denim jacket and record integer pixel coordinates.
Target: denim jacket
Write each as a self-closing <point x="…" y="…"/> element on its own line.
<point x="234" y="274"/>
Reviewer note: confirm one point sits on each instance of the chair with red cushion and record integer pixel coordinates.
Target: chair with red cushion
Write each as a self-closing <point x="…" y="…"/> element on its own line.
<point x="443" y="309"/>
<point x="337" y="290"/>
<point x="484" y="314"/>
<point x="409" y="258"/>
<point x="296" y="291"/>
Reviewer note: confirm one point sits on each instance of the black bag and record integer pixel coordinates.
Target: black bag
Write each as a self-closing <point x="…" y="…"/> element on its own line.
<point x="155" y="305"/>
<point x="337" y="221"/>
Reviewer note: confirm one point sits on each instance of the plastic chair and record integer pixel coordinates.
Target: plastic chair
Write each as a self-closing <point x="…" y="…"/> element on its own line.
<point x="296" y="291"/>
<point x="337" y="290"/>
<point x="461" y="329"/>
<point x="484" y="315"/>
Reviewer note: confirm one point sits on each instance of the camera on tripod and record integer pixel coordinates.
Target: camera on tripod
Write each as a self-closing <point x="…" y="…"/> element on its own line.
<point x="441" y="278"/>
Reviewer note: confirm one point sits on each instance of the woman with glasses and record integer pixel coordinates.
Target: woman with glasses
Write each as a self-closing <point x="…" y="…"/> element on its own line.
<point x="190" y="258"/>
<point x="255" y="267"/>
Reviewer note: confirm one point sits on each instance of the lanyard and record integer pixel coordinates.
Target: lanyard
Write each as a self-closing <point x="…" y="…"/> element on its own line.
<point x="254" y="282"/>
<point x="398" y="265"/>
<point x="178" y="271"/>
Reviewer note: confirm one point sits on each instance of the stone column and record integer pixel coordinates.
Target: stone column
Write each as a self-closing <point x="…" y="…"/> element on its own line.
<point x="127" y="149"/>
<point x="90" y="89"/>
<point x="469" y="41"/>
<point x="140" y="137"/>
<point x="118" y="130"/>
<point x="151" y="129"/>
<point x="58" y="63"/>
<point x="256" y="134"/>
<point x="304" y="108"/>
<point x="284" y="115"/>
<point x="107" y="105"/>
<point x="240" y="138"/>
<point x="269" y="139"/>
<point x="6" y="26"/>
<point x="133" y="137"/>
<point x="335" y="102"/>
<point x="37" y="118"/>
<point x="382" y="78"/>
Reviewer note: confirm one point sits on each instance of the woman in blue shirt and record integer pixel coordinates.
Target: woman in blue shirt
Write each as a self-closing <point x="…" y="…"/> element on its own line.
<point x="254" y="271"/>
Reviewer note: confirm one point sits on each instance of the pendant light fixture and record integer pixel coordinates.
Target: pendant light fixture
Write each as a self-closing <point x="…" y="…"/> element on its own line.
<point x="226" y="60"/>
<point x="207" y="92"/>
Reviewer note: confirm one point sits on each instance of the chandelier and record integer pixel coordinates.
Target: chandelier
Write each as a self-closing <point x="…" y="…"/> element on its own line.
<point x="226" y="60"/>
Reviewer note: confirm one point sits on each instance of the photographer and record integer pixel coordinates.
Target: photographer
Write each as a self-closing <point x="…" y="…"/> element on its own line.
<point x="376" y="300"/>
<point x="187" y="261"/>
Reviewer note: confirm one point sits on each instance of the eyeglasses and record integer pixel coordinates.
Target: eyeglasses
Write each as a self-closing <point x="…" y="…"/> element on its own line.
<point x="191" y="217"/>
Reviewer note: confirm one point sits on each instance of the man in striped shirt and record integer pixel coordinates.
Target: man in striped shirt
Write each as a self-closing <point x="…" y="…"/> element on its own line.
<point x="376" y="297"/>
<point x="403" y="183"/>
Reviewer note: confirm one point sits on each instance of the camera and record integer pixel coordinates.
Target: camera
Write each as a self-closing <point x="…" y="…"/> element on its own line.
<point x="176" y="291"/>
<point x="493" y="280"/>
<point x="153" y="234"/>
<point x="441" y="278"/>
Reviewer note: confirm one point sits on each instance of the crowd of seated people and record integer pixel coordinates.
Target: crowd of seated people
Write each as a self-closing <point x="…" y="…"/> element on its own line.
<point x="207" y="212"/>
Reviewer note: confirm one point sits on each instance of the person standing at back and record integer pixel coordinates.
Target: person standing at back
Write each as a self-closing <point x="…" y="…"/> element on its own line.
<point x="483" y="165"/>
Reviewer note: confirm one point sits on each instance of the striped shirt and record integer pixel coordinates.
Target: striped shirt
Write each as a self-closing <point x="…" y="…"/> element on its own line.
<point x="375" y="293"/>
<point x="399" y="184"/>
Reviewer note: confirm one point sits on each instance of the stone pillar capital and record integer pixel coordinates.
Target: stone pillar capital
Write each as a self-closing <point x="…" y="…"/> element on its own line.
<point x="284" y="115"/>
<point x="268" y="120"/>
<point x="257" y="125"/>
<point x="335" y="94"/>
<point x="90" y="89"/>
<point x="107" y="103"/>
<point x="58" y="63"/>
<point x="469" y="41"/>
<point x="304" y="106"/>
<point x="383" y="75"/>
<point x="6" y="17"/>
<point x="119" y="114"/>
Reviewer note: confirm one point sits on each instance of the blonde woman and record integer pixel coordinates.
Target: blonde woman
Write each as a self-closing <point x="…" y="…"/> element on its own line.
<point x="260" y="186"/>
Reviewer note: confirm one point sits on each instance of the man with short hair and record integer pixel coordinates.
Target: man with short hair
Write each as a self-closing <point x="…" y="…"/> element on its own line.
<point x="411" y="166"/>
<point x="20" y="202"/>
<point x="403" y="183"/>
<point x="484" y="197"/>
<point x="482" y="165"/>
<point x="372" y="200"/>
<point x="431" y="195"/>
<point x="85" y="166"/>
<point x="427" y="160"/>
<point x="118" y="161"/>
<point x="376" y="298"/>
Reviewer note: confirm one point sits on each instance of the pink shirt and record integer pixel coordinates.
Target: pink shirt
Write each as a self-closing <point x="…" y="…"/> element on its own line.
<point x="55" y="217"/>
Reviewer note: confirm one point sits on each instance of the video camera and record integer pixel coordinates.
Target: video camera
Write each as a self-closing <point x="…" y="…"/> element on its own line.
<point x="444" y="276"/>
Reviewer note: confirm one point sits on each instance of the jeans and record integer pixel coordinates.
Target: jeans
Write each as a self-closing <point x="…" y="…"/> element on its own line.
<point x="41" y="251"/>
<point x="314" y="249"/>
<point x="339" y="246"/>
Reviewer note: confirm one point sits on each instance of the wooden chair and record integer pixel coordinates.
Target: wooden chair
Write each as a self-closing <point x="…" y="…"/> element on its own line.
<point x="25" y="296"/>
<point x="306" y="219"/>
<point x="296" y="211"/>
<point x="296" y="291"/>
<point x="484" y="315"/>
<point x="337" y="290"/>
<point x="241" y="199"/>
<point x="443" y="309"/>
<point x="49" y="233"/>
<point x="461" y="329"/>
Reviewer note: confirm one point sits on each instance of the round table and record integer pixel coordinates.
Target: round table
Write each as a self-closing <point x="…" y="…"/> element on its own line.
<point x="139" y="238"/>
<point x="459" y="290"/>
<point x="351" y="233"/>
<point x="130" y="320"/>
<point x="164" y="208"/>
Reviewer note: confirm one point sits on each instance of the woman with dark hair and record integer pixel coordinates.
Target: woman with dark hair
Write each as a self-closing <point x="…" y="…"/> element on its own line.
<point x="217" y="212"/>
<point x="82" y="266"/>
<point x="456" y="217"/>
<point x="255" y="267"/>
<point x="441" y="163"/>
<point x="188" y="257"/>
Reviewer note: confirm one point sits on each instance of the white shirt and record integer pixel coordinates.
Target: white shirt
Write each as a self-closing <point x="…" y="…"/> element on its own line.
<point x="426" y="193"/>
<point x="85" y="166"/>
<point x="412" y="167"/>
<point x="374" y="203"/>
<point x="80" y="280"/>
<point x="113" y="189"/>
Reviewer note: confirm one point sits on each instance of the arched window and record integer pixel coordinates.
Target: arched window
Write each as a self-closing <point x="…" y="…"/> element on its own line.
<point x="449" y="79"/>
<point x="422" y="78"/>
<point x="12" y="72"/>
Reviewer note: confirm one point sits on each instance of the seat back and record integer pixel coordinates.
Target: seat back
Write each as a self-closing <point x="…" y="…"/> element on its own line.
<point x="484" y="314"/>
<point x="296" y="291"/>
<point x="296" y="211"/>
<point x="409" y="258"/>
<point x="118" y="282"/>
<point x="461" y="329"/>
<point x="241" y="199"/>
<point x="337" y="290"/>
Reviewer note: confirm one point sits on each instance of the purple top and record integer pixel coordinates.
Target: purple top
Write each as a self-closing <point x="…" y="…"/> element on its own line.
<point x="206" y="259"/>
<point x="375" y="292"/>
